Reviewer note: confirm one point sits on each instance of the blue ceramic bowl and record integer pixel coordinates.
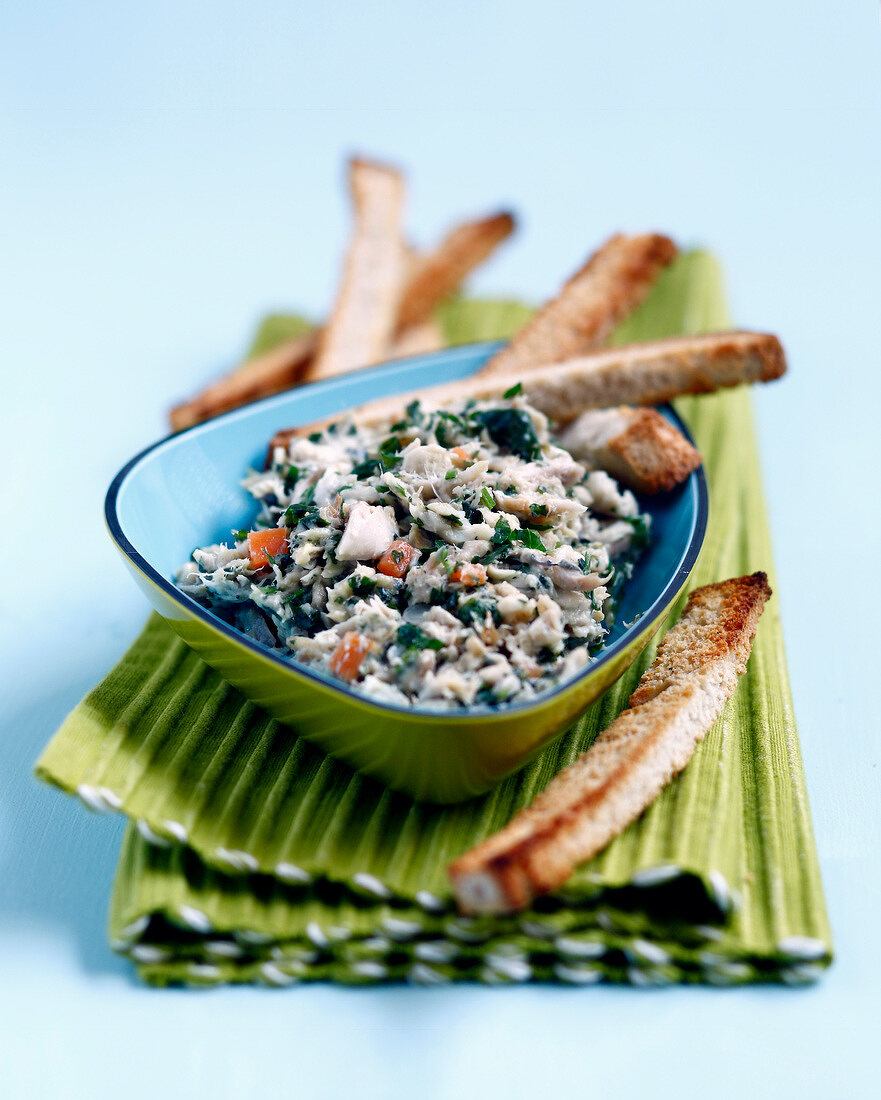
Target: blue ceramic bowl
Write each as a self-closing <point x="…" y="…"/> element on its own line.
<point x="184" y="492"/>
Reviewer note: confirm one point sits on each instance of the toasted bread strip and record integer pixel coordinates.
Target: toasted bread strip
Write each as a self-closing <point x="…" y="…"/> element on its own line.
<point x="632" y="760"/>
<point x="272" y="372"/>
<point x="281" y="368"/>
<point x="437" y="274"/>
<point x="636" y="374"/>
<point x="581" y="318"/>
<point x="417" y="340"/>
<point x="428" y="280"/>
<point x="637" y="446"/>
<point x="413" y="259"/>
<point x="366" y="310"/>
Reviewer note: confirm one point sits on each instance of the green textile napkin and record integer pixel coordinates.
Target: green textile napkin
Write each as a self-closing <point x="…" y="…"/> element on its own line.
<point x="253" y="857"/>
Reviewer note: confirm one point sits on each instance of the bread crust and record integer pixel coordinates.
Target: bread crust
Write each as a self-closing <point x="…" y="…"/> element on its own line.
<point x="428" y="280"/>
<point x="274" y="371"/>
<point x="365" y="313"/>
<point x="419" y="339"/>
<point x="639" y="447"/>
<point x="635" y="374"/>
<point x="437" y="274"/>
<point x="591" y="303"/>
<point x="587" y="804"/>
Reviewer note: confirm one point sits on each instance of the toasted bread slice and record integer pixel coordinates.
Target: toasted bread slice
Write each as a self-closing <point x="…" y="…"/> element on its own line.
<point x="607" y="289"/>
<point x="639" y="447"/>
<point x="636" y="374"/>
<point x="632" y="760"/>
<point x="365" y="314"/>
<point x="437" y="274"/>
<point x="274" y="371"/>
<point x="280" y="369"/>
<point x="417" y="340"/>
<point x="427" y="280"/>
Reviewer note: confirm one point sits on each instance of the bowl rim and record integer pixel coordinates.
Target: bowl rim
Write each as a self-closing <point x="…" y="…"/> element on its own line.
<point x="696" y="481"/>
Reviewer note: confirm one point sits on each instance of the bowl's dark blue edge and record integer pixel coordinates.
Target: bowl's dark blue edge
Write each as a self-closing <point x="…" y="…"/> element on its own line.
<point x="697" y="482"/>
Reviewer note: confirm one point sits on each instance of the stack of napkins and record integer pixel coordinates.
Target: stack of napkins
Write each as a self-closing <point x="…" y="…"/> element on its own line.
<point x="251" y="856"/>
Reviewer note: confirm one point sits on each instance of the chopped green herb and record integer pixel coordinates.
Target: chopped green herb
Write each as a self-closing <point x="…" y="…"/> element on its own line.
<point x="303" y="509"/>
<point x="307" y="619"/>
<point x="502" y="534"/>
<point x="315" y="437"/>
<point x="414" y="412"/>
<point x="475" y="610"/>
<point x="361" y="585"/>
<point x="489" y="501"/>
<point x="240" y="536"/>
<point x="393" y="596"/>
<point x="270" y="588"/>
<point x="450" y="474"/>
<point x="411" y="637"/>
<point x="442" y="420"/>
<point x="442" y="557"/>
<point x="516" y="389"/>
<point x="486" y="695"/>
<point x="367" y="468"/>
<point x="291" y="477"/>
<point x="538" y="509"/>
<point x="640" y="525"/>
<point x="511" y="430"/>
<point x="496" y="552"/>
<point x="529" y="538"/>
<point x="519" y="566"/>
<point x="388" y="452"/>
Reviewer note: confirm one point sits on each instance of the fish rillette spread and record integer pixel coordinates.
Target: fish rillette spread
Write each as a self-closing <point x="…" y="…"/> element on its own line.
<point x="454" y="558"/>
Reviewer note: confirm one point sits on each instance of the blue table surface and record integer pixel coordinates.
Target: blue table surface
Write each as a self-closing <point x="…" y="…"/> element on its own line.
<point x="168" y="178"/>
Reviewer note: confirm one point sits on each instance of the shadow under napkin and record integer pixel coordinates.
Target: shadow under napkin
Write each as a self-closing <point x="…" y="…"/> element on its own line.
<point x="54" y="857"/>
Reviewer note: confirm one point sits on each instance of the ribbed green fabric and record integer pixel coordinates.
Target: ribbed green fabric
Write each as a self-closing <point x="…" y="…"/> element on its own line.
<point x="252" y="861"/>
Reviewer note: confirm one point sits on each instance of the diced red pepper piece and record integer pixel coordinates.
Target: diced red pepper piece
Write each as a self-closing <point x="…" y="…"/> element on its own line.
<point x="397" y="559"/>
<point x="471" y="574"/>
<point x="262" y="543"/>
<point x="348" y="655"/>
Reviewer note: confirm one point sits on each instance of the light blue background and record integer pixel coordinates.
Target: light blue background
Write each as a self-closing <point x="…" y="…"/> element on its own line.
<point x="171" y="171"/>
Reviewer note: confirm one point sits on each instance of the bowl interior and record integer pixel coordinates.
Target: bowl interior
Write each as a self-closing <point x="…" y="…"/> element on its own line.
<point x="185" y="491"/>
